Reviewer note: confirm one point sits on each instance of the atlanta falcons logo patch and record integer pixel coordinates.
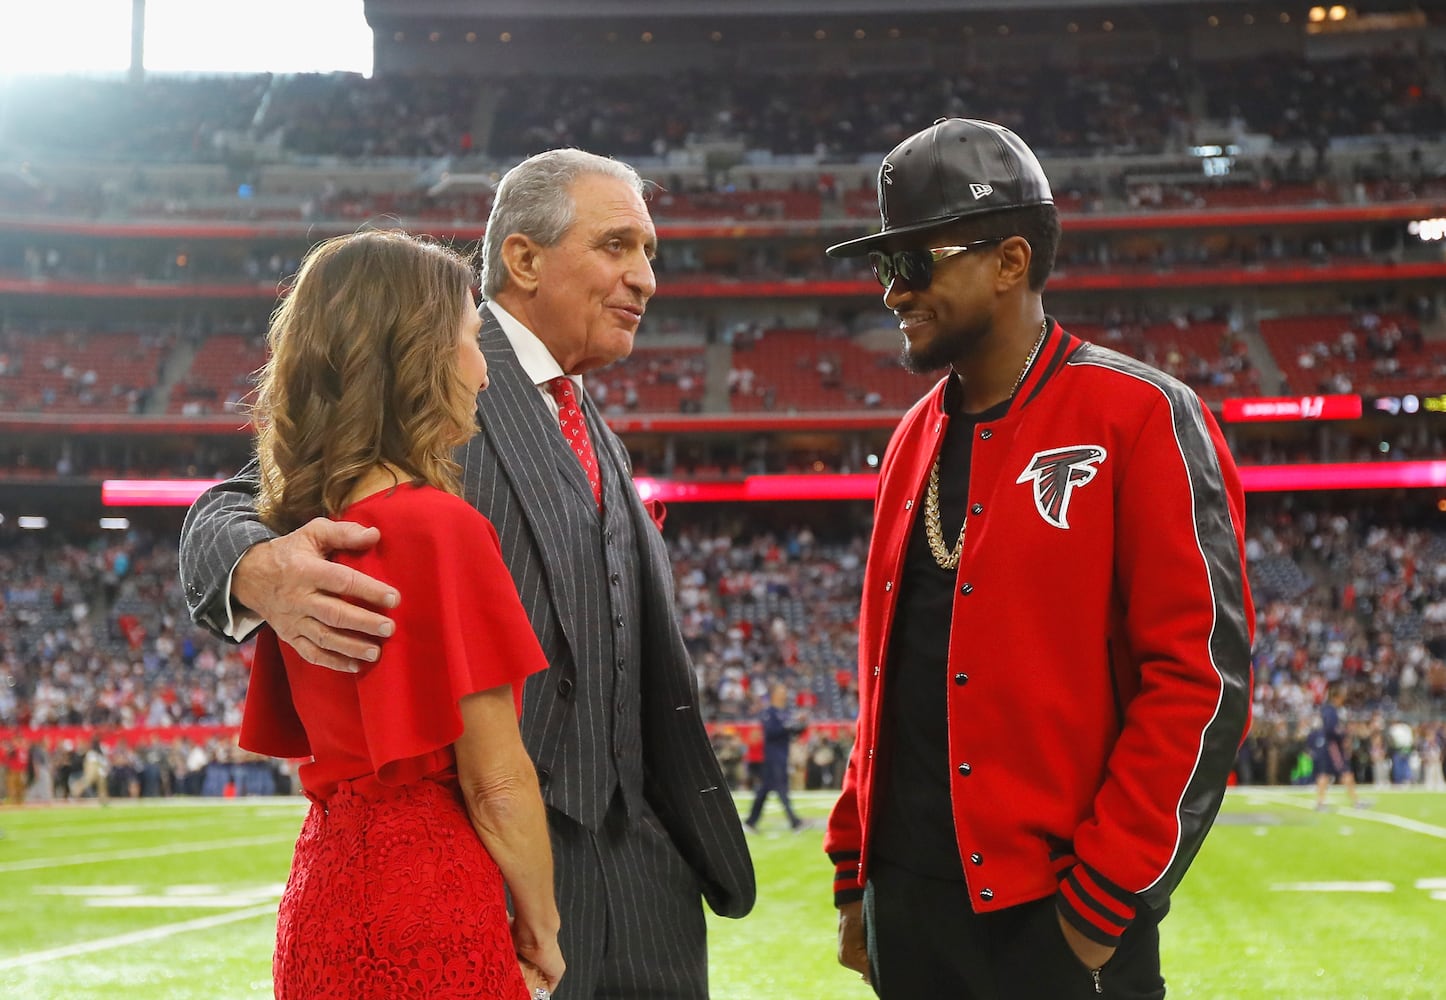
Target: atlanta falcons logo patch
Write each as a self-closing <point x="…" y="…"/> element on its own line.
<point x="1056" y="473"/>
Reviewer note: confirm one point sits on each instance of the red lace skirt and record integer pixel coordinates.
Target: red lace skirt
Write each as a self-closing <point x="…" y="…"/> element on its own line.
<point x="392" y="895"/>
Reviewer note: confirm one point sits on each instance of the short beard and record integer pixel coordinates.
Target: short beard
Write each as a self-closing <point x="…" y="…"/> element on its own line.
<point x="926" y="362"/>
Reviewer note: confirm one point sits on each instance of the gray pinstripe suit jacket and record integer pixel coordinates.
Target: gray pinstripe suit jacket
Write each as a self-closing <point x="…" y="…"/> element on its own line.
<point x="511" y="473"/>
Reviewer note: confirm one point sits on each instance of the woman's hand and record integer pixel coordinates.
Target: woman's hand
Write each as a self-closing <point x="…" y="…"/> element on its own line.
<point x="540" y="958"/>
<point x="534" y="978"/>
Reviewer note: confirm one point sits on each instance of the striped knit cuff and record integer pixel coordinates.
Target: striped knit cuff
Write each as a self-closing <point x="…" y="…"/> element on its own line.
<point x="847" y="886"/>
<point x="1095" y="906"/>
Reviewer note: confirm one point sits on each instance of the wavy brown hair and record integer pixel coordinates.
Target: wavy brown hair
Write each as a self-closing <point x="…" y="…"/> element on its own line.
<point x="363" y="370"/>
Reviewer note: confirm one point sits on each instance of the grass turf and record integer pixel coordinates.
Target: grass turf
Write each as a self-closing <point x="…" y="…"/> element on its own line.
<point x="174" y="900"/>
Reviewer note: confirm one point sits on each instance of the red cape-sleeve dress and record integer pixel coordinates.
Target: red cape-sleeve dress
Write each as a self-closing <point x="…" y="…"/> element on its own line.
<point x="391" y="892"/>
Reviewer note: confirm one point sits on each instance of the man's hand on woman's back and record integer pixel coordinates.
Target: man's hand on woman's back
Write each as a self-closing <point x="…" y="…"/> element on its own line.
<point x="321" y="608"/>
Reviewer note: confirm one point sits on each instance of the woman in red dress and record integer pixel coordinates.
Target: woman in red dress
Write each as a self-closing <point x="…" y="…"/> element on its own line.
<point x="425" y="805"/>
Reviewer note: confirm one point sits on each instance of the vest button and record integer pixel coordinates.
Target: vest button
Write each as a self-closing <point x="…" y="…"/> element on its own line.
<point x="986" y="894"/>
<point x="964" y="769"/>
<point x="976" y="858"/>
<point x="977" y="509"/>
<point x="961" y="679"/>
<point x="967" y="589"/>
<point x="985" y="435"/>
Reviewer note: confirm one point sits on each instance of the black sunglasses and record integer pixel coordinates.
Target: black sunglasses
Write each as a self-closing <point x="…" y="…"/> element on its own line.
<point x="915" y="268"/>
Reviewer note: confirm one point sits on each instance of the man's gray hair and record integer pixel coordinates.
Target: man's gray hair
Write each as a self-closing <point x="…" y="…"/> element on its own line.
<point x="534" y="198"/>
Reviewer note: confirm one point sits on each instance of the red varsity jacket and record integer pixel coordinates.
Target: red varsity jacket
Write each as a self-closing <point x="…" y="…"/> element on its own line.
<point x="1099" y="653"/>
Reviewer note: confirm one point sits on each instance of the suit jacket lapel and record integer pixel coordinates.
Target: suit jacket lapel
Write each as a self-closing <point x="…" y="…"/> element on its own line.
<point x="533" y="457"/>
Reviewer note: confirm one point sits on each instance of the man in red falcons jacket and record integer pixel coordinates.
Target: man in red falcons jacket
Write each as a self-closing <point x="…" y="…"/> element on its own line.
<point x="1054" y="641"/>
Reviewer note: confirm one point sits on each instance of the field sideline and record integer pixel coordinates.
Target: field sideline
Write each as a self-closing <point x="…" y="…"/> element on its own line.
<point x="175" y="900"/>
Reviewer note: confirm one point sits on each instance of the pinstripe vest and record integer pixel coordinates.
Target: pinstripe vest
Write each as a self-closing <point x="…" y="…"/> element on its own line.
<point x="606" y="701"/>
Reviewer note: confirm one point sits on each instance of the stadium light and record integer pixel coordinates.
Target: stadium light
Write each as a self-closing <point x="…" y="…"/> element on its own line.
<point x="1427" y="230"/>
<point x="30" y="522"/>
<point x="115" y="523"/>
<point x="462" y="182"/>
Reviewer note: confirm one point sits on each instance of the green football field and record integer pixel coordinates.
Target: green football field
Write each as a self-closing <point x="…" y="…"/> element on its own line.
<point x="177" y="898"/>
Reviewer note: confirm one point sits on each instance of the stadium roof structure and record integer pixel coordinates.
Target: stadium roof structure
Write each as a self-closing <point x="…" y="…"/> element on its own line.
<point x="734" y="8"/>
<point x="392" y="10"/>
<point x="1046" y="15"/>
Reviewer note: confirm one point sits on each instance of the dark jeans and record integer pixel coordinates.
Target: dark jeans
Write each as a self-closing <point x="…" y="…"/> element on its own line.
<point x="925" y="941"/>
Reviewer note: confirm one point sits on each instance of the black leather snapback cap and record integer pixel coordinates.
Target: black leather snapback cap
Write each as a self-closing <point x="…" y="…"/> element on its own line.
<point x="955" y="168"/>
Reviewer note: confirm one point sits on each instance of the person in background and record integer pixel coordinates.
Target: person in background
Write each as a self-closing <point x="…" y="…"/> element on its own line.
<point x="94" y="774"/>
<point x="426" y="817"/>
<point x="15" y="759"/>
<point x="780" y="728"/>
<point x="41" y="779"/>
<point x="1327" y="744"/>
<point x="643" y="826"/>
<point x="1433" y="749"/>
<point x="1054" y="639"/>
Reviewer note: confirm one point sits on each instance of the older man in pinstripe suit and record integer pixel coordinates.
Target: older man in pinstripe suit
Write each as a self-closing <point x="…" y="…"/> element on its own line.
<point x="642" y="822"/>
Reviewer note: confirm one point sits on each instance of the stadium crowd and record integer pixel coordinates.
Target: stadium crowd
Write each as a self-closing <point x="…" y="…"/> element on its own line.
<point x="1386" y="101"/>
<point x="69" y="368"/>
<point x="1141" y="107"/>
<point x="95" y="635"/>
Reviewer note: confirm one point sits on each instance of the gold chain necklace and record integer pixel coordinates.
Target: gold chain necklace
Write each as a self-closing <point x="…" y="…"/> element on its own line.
<point x="933" y="530"/>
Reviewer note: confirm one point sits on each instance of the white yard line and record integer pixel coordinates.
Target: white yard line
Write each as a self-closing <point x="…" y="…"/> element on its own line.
<point x="1371" y="815"/>
<point x="134" y="937"/>
<point x="1333" y="886"/>
<point x="101" y="857"/>
<point x="98" y="831"/>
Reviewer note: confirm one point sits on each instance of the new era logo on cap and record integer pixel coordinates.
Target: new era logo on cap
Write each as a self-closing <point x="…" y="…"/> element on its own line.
<point x="981" y="190"/>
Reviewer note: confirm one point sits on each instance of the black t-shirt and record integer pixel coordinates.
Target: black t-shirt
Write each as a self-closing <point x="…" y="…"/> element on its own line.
<point x="914" y="820"/>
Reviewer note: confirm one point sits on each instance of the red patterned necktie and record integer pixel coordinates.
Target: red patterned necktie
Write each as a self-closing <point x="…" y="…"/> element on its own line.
<point x="574" y="431"/>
